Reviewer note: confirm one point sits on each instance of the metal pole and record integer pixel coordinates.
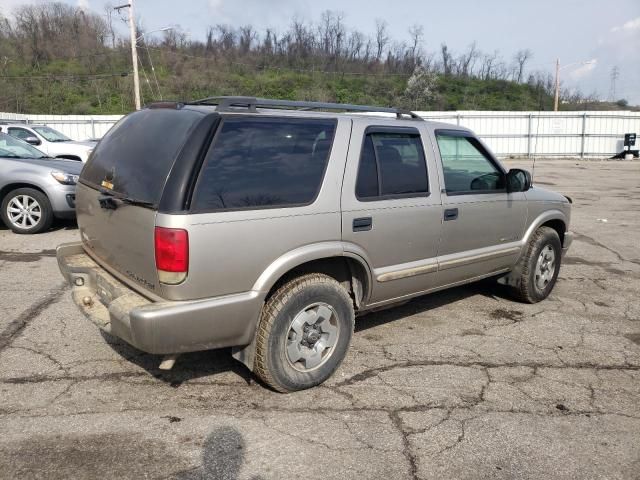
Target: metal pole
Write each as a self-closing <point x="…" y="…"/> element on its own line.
<point x="557" y="95"/>
<point x="529" y="136"/>
<point x="93" y="128"/>
<point x="134" y="56"/>
<point x="584" y="132"/>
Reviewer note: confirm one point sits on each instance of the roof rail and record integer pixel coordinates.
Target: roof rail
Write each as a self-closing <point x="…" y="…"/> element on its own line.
<point x="251" y="103"/>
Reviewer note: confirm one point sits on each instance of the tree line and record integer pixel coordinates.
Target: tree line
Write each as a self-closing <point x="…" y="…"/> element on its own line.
<point x="55" y="58"/>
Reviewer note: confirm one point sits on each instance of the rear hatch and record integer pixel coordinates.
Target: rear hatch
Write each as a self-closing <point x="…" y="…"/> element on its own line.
<point x="120" y="188"/>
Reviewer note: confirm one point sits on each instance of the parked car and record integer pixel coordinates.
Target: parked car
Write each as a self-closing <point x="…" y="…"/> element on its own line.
<point x="50" y="141"/>
<point x="34" y="188"/>
<point x="268" y="225"/>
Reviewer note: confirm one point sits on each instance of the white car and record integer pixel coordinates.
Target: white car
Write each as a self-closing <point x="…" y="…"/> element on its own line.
<point x="50" y="141"/>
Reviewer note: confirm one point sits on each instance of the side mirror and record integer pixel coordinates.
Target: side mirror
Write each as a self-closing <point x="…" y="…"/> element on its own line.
<point x="518" y="180"/>
<point x="32" y="141"/>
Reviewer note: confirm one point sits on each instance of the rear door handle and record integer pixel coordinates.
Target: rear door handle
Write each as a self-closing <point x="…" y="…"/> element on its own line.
<point x="450" y="214"/>
<point x="362" y="224"/>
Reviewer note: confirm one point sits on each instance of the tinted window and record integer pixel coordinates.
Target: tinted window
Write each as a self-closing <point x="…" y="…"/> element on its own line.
<point x="135" y="157"/>
<point x="264" y="162"/>
<point x="367" y="183"/>
<point x="465" y="166"/>
<point x="391" y="164"/>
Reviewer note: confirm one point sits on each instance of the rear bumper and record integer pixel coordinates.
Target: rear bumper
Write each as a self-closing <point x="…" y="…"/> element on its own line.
<point x="156" y="327"/>
<point x="568" y="240"/>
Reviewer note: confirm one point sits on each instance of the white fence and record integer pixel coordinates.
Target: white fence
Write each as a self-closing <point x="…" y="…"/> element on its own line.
<point x="548" y="134"/>
<point x="528" y="134"/>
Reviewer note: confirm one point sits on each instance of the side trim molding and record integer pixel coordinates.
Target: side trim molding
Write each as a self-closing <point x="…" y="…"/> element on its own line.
<point x="459" y="262"/>
<point x="407" y="272"/>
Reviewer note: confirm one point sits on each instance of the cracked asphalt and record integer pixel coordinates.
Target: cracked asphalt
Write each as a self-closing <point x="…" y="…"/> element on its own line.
<point x="464" y="384"/>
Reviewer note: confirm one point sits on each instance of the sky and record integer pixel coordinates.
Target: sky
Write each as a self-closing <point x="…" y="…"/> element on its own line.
<point x="589" y="37"/>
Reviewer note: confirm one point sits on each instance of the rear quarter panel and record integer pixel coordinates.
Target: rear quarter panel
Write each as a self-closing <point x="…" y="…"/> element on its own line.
<point x="229" y="251"/>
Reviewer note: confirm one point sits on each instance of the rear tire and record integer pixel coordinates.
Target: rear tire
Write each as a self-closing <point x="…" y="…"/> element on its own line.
<point x="304" y="333"/>
<point x="539" y="266"/>
<point x="26" y="211"/>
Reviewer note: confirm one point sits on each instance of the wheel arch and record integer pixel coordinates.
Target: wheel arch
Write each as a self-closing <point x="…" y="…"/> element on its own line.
<point x="555" y="219"/>
<point x="330" y="258"/>
<point x="5" y="189"/>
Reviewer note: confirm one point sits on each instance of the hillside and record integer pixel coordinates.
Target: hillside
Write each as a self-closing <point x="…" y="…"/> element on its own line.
<point x="60" y="60"/>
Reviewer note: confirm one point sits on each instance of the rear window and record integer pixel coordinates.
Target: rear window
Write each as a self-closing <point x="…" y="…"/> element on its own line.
<point x="135" y="157"/>
<point x="264" y="163"/>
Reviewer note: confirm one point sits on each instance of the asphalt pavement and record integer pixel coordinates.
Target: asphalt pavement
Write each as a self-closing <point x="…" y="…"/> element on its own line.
<point x="463" y="384"/>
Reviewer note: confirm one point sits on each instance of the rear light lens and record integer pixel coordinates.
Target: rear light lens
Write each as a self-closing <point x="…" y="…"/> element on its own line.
<point x="172" y="254"/>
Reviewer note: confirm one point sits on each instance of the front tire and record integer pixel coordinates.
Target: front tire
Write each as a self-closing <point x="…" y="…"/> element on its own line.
<point x="539" y="266"/>
<point x="304" y="333"/>
<point x="27" y="211"/>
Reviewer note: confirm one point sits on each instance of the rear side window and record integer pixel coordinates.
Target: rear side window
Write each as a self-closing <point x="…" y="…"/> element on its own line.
<point x="391" y="165"/>
<point x="264" y="163"/>
<point x="135" y="157"/>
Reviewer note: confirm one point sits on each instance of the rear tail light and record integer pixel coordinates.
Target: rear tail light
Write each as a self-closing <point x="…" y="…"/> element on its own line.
<point x="172" y="254"/>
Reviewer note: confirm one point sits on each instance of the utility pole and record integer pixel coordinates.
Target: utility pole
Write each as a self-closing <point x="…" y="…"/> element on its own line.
<point x="134" y="52"/>
<point x="557" y="95"/>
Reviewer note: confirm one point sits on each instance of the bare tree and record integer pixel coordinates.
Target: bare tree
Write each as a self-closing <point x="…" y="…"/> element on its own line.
<point x="446" y="59"/>
<point x="468" y="60"/>
<point x="521" y="57"/>
<point x="416" y="33"/>
<point x="109" y="12"/>
<point x="226" y="36"/>
<point x="382" y="38"/>
<point x="247" y="36"/>
<point x="488" y="64"/>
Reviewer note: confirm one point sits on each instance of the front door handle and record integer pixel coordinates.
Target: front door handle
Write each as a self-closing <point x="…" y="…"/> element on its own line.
<point x="450" y="214"/>
<point x="362" y="224"/>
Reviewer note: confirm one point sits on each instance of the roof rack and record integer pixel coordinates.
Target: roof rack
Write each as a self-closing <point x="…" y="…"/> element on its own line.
<point x="251" y="103"/>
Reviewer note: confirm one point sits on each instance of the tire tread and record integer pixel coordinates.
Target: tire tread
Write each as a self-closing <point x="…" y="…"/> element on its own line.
<point x="272" y="308"/>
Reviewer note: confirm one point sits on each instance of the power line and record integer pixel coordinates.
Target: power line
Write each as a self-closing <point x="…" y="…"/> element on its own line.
<point x="65" y="77"/>
<point x="73" y="57"/>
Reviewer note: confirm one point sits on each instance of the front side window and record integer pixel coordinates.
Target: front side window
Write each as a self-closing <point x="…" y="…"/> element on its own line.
<point x="466" y="167"/>
<point x="264" y="163"/>
<point x="391" y="165"/>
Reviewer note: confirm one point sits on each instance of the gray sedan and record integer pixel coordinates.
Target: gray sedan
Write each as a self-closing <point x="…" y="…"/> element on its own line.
<point x="34" y="188"/>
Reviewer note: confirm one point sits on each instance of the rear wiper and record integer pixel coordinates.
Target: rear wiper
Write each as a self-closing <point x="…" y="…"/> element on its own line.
<point x="139" y="203"/>
<point x="111" y="198"/>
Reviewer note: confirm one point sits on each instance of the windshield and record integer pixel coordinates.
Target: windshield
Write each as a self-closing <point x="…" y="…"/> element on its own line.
<point x="13" y="148"/>
<point x="51" y="135"/>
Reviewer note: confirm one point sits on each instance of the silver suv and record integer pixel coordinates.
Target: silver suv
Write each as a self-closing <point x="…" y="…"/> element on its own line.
<point x="34" y="188"/>
<point x="268" y="225"/>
